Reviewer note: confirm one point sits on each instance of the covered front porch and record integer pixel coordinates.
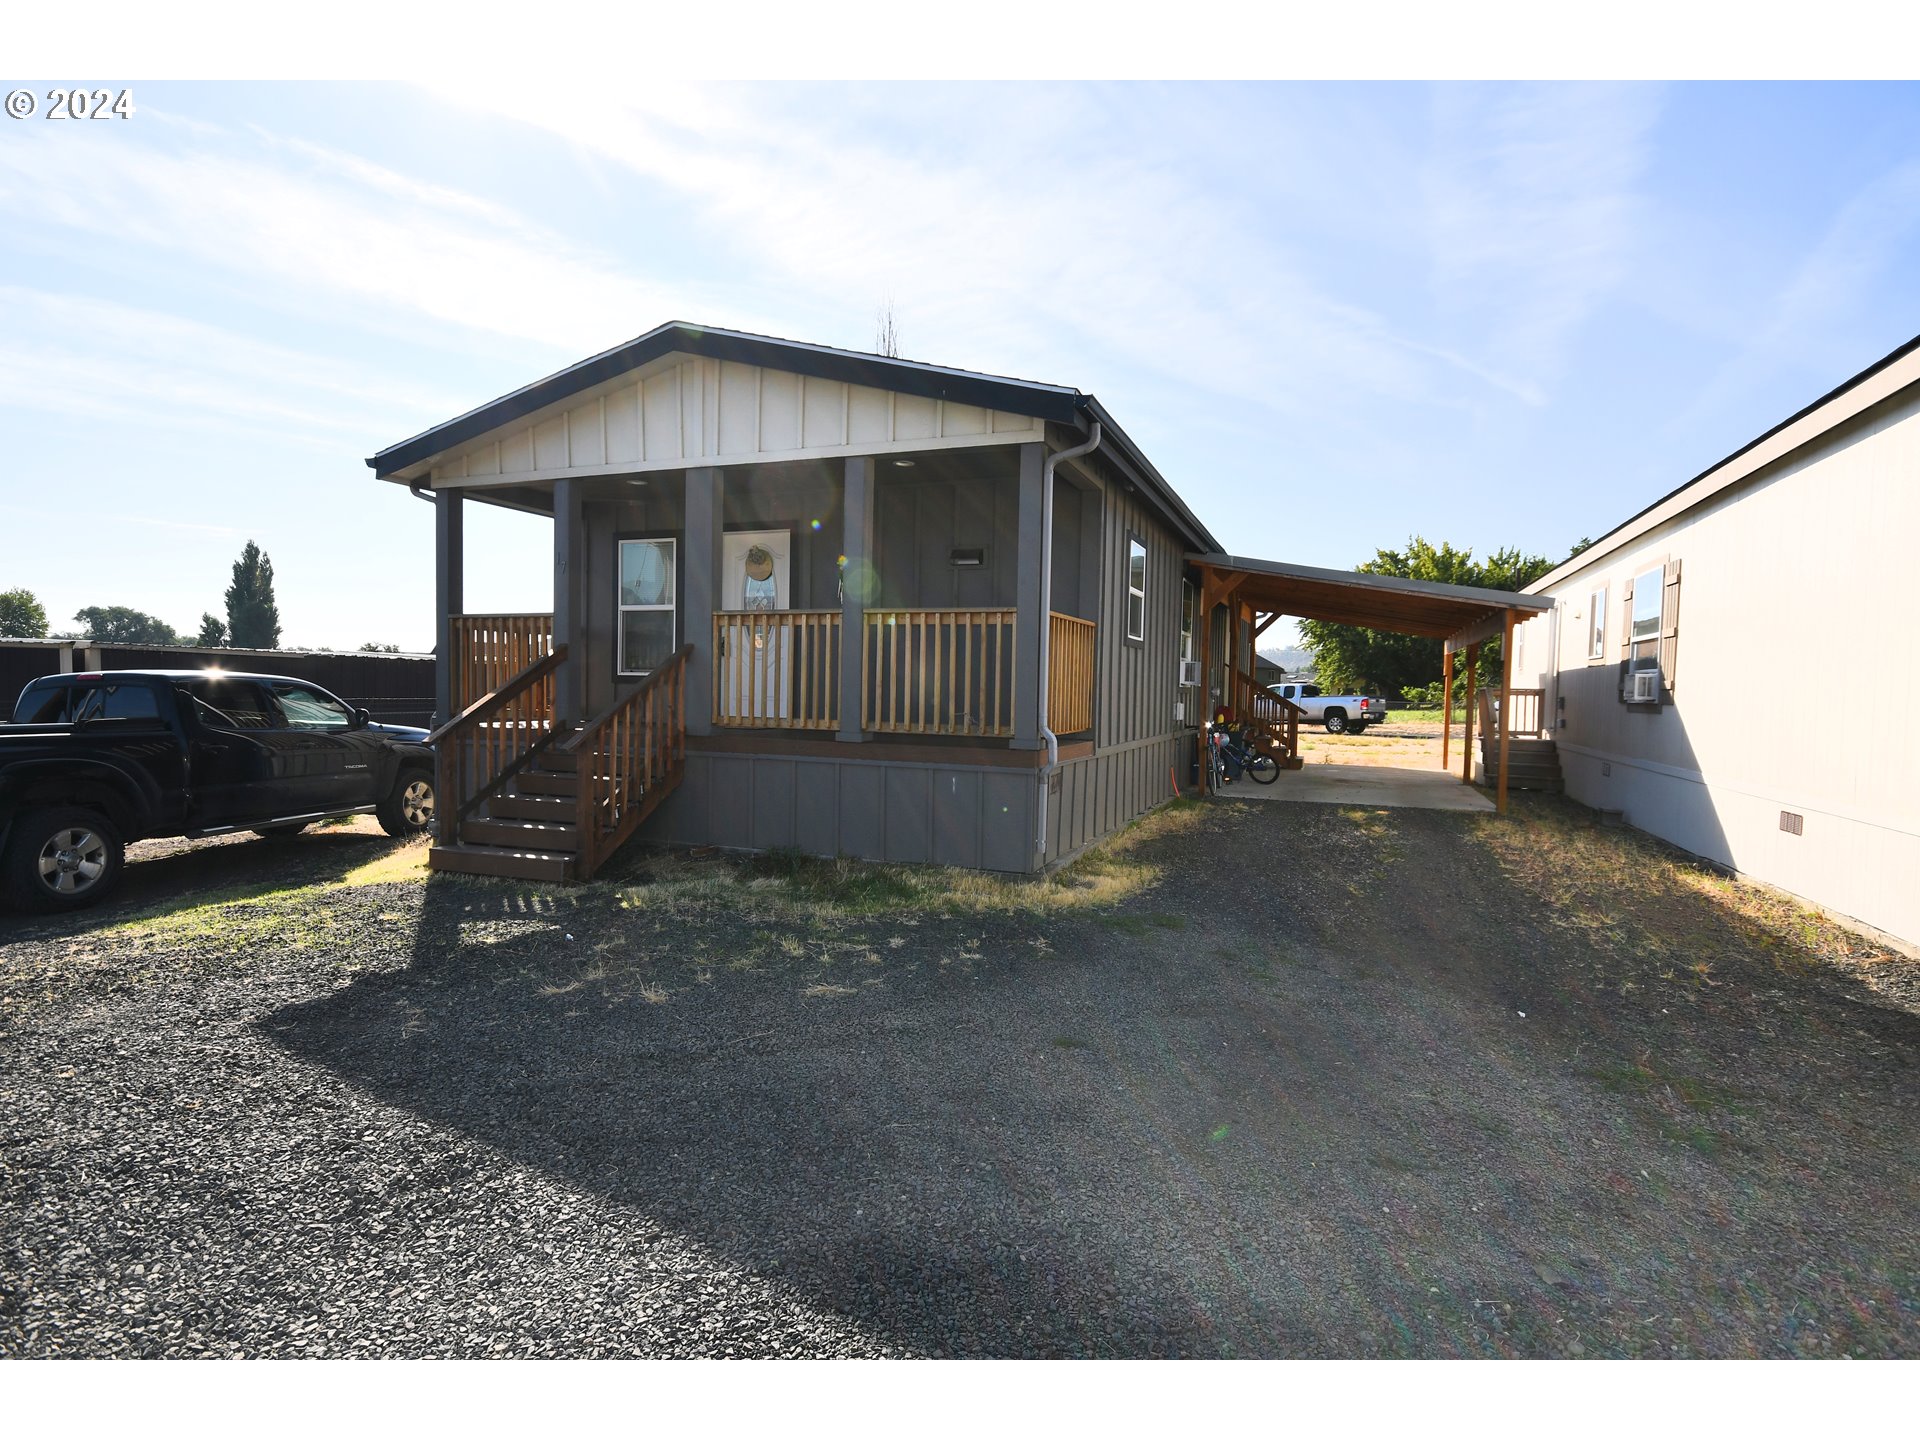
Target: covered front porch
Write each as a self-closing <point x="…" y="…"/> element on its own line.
<point x="766" y="609"/>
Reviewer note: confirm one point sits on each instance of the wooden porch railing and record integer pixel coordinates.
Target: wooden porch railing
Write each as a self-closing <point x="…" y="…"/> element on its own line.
<point x="938" y="672"/>
<point x="491" y="739"/>
<point x="490" y="650"/>
<point x="628" y="759"/>
<point x="777" y="668"/>
<point x="1069" y="674"/>
<point x="1273" y="724"/>
<point x="1528" y="720"/>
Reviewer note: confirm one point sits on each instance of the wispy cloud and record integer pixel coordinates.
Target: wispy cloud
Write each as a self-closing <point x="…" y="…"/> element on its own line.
<point x="1533" y="198"/>
<point x="324" y="223"/>
<point x="116" y="517"/>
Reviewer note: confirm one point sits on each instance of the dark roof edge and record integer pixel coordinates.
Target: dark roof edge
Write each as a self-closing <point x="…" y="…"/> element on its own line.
<point x="1598" y="549"/>
<point x="908" y="377"/>
<point x="1434" y="589"/>
<point x="1133" y="459"/>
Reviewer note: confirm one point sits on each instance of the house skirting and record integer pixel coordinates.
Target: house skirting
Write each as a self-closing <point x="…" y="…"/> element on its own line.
<point x="947" y="809"/>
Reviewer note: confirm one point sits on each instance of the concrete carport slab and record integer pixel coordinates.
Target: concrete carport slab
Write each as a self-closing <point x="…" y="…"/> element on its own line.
<point x="1374" y="785"/>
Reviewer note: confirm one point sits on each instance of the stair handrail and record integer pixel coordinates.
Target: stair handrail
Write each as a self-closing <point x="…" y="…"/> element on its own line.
<point x="498" y="751"/>
<point x="626" y="758"/>
<point x="1276" y="720"/>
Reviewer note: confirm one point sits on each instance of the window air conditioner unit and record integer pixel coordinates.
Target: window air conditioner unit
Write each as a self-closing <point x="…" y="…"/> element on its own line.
<point x="1643" y="687"/>
<point x="1189" y="672"/>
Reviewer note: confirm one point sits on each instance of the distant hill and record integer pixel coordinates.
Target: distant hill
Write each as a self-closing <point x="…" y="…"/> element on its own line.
<point x="1290" y="659"/>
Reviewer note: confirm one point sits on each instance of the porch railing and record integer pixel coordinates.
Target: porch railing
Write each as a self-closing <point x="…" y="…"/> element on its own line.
<point x="938" y="672"/>
<point x="1274" y="724"/>
<point x="491" y="739"/>
<point x="627" y="760"/>
<point x="777" y="668"/>
<point x="1528" y="720"/>
<point x="1069" y="674"/>
<point x="490" y="650"/>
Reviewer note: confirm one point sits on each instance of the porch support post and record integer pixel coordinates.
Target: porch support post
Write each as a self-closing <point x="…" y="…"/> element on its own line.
<point x="449" y="556"/>
<point x="1031" y="613"/>
<point x="1446" y="710"/>
<point x="857" y="575"/>
<point x="569" y="616"/>
<point x="1203" y="622"/>
<point x="1466" y="733"/>
<point x="1506" y="706"/>
<point x="706" y="524"/>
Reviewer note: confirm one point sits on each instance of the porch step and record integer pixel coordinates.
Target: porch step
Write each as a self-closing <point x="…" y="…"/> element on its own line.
<point x="467" y="859"/>
<point x="554" y="761"/>
<point x="520" y="835"/>
<point x="547" y="782"/>
<point x="1532" y="764"/>
<point x="550" y="808"/>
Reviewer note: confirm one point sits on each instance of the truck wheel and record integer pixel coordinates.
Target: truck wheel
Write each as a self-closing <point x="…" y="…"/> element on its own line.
<point x="1336" y="722"/>
<point x="62" y="859"/>
<point x="409" y="809"/>
<point x="281" y="832"/>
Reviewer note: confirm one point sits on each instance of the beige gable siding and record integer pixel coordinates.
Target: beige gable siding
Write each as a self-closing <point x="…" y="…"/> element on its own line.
<point x="690" y="409"/>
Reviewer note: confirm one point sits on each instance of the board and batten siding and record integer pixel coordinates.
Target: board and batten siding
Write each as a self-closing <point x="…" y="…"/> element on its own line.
<point x="1796" y="669"/>
<point x="691" y="410"/>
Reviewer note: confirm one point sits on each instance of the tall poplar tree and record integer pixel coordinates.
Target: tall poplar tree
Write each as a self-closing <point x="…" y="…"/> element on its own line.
<point x="253" y="619"/>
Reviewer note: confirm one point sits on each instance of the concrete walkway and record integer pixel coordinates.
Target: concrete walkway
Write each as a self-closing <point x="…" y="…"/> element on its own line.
<point x="1381" y="785"/>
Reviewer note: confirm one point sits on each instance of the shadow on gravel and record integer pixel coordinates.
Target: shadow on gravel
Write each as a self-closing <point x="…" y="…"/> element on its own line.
<point x="164" y="878"/>
<point x="1364" y="1093"/>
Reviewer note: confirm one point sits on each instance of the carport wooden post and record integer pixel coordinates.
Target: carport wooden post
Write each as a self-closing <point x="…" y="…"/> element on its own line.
<point x="1466" y="732"/>
<point x="1506" y="703"/>
<point x="1206" y="672"/>
<point x="1446" y="709"/>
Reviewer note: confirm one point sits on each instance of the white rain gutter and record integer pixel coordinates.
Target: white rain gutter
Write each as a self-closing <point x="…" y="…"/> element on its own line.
<point x="1046" y="614"/>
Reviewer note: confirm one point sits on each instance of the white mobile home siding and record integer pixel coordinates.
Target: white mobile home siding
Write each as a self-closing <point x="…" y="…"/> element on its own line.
<point x="1797" y="676"/>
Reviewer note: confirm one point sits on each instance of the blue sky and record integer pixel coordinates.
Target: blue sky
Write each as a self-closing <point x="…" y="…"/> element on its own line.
<point x="1334" y="315"/>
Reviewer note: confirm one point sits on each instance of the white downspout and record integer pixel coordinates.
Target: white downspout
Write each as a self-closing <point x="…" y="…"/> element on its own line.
<point x="1046" y="614"/>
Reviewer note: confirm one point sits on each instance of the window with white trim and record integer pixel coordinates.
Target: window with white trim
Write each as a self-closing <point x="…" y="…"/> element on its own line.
<point x="1136" y="589"/>
<point x="1188" y="603"/>
<point x="1643" y="619"/>
<point x="1597" y="624"/>
<point x="648" y="620"/>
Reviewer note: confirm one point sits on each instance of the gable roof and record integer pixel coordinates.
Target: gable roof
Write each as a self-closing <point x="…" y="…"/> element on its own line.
<point x="1887" y="376"/>
<point x="1061" y="404"/>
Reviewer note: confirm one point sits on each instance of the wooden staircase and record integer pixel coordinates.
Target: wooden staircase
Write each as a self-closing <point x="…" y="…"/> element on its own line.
<point x="529" y="799"/>
<point x="1536" y="764"/>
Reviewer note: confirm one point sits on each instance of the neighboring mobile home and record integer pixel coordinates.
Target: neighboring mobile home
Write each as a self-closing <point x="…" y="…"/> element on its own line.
<point x="808" y="598"/>
<point x="1735" y="668"/>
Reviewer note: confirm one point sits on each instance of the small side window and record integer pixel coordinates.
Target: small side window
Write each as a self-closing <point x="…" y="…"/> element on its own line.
<point x="47" y="705"/>
<point x="1597" y="625"/>
<point x="1136" y="589"/>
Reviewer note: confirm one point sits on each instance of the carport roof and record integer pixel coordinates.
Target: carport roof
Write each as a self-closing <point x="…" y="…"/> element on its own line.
<point x="1380" y="602"/>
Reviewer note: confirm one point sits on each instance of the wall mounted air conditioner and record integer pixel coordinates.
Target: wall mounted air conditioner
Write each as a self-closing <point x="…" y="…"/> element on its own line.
<point x="1643" y="687"/>
<point x="1189" y="672"/>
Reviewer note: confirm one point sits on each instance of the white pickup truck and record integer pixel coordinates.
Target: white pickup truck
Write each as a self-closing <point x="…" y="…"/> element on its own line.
<point x="1341" y="714"/>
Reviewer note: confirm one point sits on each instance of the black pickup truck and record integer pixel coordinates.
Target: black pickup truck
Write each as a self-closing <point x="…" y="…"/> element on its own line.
<point x="91" y="762"/>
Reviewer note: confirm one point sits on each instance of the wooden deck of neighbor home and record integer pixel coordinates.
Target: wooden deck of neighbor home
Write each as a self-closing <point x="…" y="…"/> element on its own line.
<point x="524" y="795"/>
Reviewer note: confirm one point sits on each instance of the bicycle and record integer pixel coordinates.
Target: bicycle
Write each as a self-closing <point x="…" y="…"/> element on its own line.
<point x="1229" y="750"/>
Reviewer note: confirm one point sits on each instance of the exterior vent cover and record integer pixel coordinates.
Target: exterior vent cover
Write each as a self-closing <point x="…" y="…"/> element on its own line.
<point x="1189" y="672"/>
<point x="1793" y="824"/>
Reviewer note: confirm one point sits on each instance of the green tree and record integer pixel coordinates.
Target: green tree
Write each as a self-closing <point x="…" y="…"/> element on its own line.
<point x="22" y="616"/>
<point x="119" y="625"/>
<point x="253" y="619"/>
<point x="213" y="631"/>
<point x="375" y="648"/>
<point x="1350" y="657"/>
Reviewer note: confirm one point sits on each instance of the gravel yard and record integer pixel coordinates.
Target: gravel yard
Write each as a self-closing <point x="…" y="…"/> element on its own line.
<point x="1265" y="1080"/>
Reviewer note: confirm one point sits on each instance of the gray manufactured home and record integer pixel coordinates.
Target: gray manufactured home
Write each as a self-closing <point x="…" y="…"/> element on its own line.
<point x="814" y="599"/>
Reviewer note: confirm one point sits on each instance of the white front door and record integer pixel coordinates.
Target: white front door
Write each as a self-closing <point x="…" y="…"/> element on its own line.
<point x="756" y="647"/>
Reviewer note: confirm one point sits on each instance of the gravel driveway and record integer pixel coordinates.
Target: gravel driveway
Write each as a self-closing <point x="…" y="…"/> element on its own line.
<point x="1321" y="1082"/>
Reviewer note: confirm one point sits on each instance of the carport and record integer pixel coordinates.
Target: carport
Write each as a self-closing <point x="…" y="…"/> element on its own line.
<point x="1240" y="598"/>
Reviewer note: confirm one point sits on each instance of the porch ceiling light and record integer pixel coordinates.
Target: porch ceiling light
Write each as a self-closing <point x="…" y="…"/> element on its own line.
<point x="904" y="464"/>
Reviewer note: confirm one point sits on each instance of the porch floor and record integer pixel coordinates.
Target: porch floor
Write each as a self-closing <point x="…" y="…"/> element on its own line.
<point x="1319" y="783"/>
